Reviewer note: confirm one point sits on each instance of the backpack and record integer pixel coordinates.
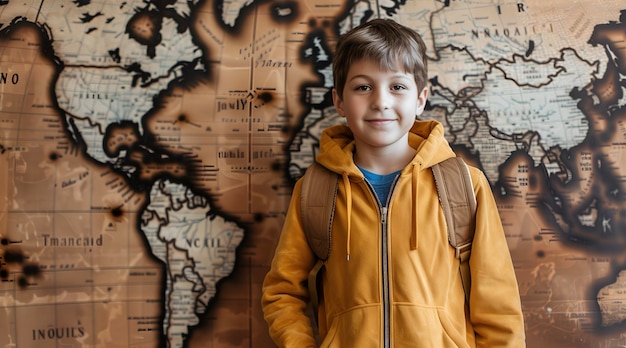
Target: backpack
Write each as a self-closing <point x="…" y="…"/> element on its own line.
<point x="456" y="196"/>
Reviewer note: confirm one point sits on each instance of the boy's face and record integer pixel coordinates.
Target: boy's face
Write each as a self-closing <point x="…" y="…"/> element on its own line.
<point x="379" y="106"/>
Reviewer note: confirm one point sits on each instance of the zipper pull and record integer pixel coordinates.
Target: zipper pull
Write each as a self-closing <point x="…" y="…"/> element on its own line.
<point x="383" y="215"/>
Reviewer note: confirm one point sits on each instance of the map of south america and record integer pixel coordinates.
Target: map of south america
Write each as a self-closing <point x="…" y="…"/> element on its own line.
<point x="198" y="248"/>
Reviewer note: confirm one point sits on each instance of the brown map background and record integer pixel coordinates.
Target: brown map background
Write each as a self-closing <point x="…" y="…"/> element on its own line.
<point x="237" y="121"/>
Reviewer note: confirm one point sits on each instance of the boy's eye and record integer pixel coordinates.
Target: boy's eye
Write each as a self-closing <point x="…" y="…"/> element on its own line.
<point x="397" y="87"/>
<point x="363" y="88"/>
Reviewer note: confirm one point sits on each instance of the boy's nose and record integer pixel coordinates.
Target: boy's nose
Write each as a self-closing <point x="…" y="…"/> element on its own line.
<point x="381" y="100"/>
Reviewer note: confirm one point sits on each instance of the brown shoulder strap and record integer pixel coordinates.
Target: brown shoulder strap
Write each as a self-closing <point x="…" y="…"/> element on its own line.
<point x="458" y="201"/>
<point x="317" y="207"/>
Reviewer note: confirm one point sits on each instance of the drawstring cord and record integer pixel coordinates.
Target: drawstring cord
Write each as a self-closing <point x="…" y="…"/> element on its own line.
<point x="414" y="224"/>
<point x="346" y="184"/>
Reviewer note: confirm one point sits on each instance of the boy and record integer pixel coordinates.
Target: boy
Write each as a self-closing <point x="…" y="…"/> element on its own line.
<point x="392" y="279"/>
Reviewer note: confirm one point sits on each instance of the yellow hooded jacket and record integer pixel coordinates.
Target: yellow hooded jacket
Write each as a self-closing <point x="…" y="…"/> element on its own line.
<point x="392" y="278"/>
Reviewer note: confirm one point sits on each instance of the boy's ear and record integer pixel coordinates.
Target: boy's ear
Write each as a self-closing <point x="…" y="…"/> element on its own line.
<point x="422" y="97"/>
<point x="338" y="103"/>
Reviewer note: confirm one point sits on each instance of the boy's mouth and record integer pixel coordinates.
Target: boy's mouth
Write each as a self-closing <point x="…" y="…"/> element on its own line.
<point x="380" y="121"/>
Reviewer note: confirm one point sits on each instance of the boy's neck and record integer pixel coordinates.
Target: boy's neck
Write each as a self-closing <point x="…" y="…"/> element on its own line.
<point x="384" y="160"/>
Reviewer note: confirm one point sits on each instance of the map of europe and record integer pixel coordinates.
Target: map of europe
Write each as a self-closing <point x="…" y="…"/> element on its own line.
<point x="148" y="150"/>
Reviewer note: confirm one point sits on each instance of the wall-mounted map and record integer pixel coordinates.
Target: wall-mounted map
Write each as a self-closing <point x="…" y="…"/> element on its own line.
<point x="148" y="150"/>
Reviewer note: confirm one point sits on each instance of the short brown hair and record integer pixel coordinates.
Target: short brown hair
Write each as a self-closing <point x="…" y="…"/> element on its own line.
<point x="384" y="41"/>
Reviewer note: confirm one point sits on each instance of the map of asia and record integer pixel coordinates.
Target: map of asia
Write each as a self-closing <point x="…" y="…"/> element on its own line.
<point x="148" y="150"/>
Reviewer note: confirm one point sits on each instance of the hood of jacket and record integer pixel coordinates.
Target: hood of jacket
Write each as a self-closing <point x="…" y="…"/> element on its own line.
<point x="426" y="137"/>
<point x="337" y="154"/>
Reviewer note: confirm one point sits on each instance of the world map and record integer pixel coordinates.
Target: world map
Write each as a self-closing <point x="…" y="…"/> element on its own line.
<point x="148" y="150"/>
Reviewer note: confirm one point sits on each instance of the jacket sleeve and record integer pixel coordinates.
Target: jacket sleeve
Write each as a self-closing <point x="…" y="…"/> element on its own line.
<point x="285" y="293"/>
<point x="495" y="305"/>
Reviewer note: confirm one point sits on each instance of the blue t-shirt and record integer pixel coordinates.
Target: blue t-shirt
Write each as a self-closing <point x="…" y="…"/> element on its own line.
<point x="380" y="183"/>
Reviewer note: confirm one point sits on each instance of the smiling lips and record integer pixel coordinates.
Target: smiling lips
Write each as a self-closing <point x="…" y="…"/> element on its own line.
<point x="380" y="121"/>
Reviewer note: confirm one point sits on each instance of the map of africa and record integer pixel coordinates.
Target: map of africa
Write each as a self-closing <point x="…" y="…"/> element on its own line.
<point x="148" y="150"/>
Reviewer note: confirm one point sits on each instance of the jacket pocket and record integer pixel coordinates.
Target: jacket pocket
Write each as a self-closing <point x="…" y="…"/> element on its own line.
<point x="428" y="326"/>
<point x="455" y="333"/>
<point x="358" y="327"/>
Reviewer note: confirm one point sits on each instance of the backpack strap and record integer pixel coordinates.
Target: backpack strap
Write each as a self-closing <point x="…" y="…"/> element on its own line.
<point x="317" y="207"/>
<point x="458" y="202"/>
<point x="317" y="204"/>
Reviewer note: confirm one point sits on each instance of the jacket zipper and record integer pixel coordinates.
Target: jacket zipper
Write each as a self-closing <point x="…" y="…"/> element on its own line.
<point x="385" y="275"/>
<point x="384" y="211"/>
<point x="384" y="265"/>
<point x="385" y="261"/>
